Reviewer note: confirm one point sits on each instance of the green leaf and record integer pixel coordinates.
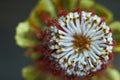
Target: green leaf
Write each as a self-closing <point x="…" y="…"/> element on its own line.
<point x="116" y="35"/>
<point x="29" y="73"/>
<point x="103" y="12"/>
<point x="86" y="4"/>
<point x="69" y="4"/>
<point x="113" y="74"/>
<point x="23" y="35"/>
<point x="47" y="6"/>
<point x="35" y="55"/>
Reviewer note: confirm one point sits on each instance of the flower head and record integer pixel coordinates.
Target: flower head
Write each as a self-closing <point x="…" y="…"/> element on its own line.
<point x="82" y="43"/>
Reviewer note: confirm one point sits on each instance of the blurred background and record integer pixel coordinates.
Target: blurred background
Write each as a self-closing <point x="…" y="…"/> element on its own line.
<point x="12" y="58"/>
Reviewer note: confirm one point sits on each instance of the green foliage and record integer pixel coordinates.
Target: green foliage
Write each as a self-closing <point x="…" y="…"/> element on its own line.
<point x="116" y="34"/>
<point x="103" y="12"/>
<point x="86" y="4"/>
<point x="113" y="74"/>
<point x="29" y="73"/>
<point x="23" y="35"/>
<point x="47" y="6"/>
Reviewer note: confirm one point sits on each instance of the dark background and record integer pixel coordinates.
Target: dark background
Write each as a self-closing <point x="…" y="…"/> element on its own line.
<point x="11" y="56"/>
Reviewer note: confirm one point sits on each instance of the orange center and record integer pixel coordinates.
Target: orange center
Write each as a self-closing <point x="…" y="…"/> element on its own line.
<point x="80" y="43"/>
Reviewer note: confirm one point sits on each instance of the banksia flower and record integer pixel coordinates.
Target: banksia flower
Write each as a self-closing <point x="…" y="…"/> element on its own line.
<point x="67" y="43"/>
<point x="78" y="43"/>
<point x="82" y="43"/>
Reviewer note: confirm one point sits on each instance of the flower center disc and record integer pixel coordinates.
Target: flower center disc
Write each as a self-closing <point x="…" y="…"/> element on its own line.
<point x="80" y="43"/>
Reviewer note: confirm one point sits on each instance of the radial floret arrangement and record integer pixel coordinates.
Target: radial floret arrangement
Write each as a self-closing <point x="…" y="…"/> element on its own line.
<point x="83" y="43"/>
